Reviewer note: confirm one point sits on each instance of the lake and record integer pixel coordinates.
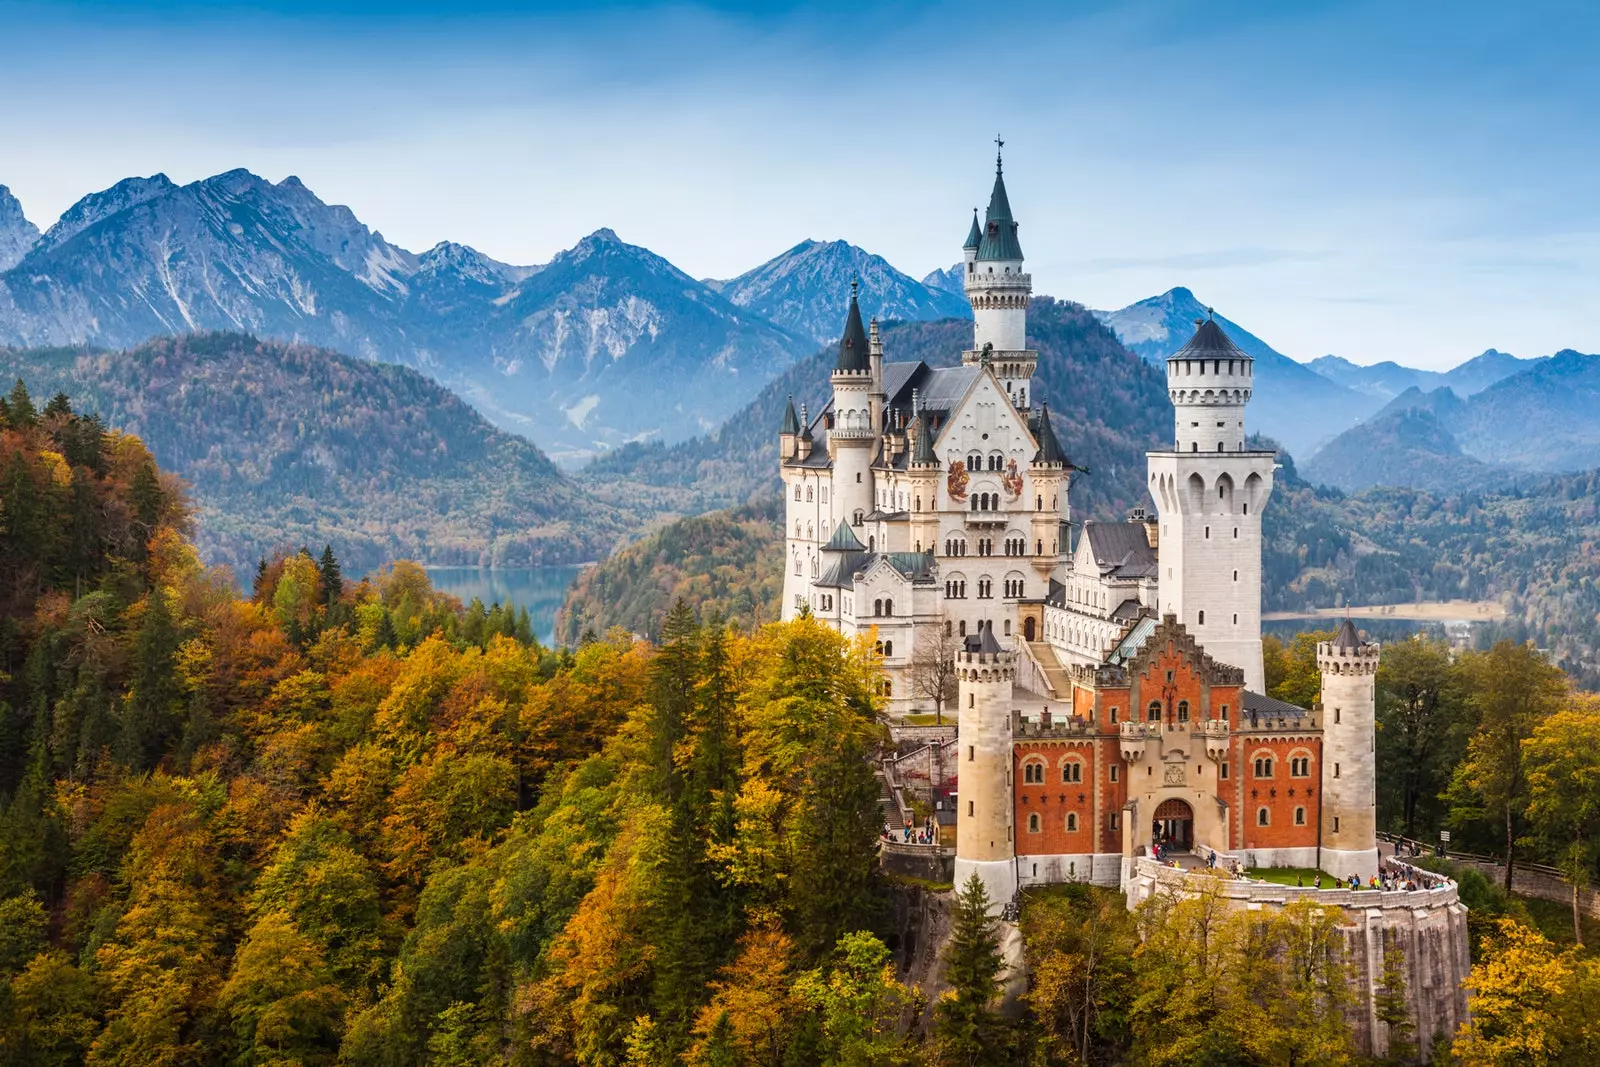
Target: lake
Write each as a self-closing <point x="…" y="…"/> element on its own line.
<point x="539" y="589"/>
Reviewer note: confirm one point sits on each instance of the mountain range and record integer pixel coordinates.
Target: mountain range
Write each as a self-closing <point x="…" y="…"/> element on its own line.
<point x="1546" y="418"/>
<point x="286" y="445"/>
<point x="801" y="290"/>
<point x="565" y="352"/>
<point x="1389" y="379"/>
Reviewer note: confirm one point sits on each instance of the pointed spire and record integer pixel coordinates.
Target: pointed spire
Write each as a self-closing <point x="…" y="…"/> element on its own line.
<point x="974" y="235"/>
<point x="1347" y="637"/>
<point x="853" y="352"/>
<point x="986" y="640"/>
<point x="999" y="240"/>
<point x="922" y="454"/>
<point x="791" y="424"/>
<point x="1050" y="450"/>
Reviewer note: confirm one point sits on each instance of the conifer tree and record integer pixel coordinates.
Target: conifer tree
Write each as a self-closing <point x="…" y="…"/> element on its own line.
<point x="332" y="577"/>
<point x="1390" y="1004"/>
<point x="968" y="1028"/>
<point x="20" y="412"/>
<point x="149" y="716"/>
<point x="59" y="406"/>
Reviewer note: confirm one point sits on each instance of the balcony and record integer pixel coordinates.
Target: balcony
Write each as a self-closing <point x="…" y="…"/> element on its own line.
<point x="1215" y="733"/>
<point x="1134" y="736"/>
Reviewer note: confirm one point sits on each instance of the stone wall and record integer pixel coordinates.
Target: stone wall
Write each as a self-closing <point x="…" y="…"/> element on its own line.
<point x="930" y="863"/>
<point x="1430" y="926"/>
<point x="1533" y="882"/>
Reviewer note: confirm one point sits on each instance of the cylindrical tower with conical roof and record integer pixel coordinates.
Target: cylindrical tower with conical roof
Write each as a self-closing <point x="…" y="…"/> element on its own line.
<point x="999" y="289"/>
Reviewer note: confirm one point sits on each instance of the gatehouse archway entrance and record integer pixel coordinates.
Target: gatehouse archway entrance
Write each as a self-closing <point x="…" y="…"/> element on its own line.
<point x="1173" y="826"/>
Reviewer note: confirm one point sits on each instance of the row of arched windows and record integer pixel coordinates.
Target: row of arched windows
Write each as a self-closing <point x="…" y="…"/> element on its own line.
<point x="1034" y="822"/>
<point x="886" y="648"/>
<point x="985" y="501"/>
<point x="1264" y="816"/>
<point x="1033" y="771"/>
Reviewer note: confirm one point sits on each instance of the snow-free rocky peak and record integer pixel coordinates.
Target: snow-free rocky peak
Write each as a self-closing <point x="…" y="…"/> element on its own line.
<point x="17" y="234"/>
<point x="808" y="287"/>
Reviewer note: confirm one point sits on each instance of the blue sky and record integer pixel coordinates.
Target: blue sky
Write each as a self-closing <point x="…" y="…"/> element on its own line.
<point x="1407" y="181"/>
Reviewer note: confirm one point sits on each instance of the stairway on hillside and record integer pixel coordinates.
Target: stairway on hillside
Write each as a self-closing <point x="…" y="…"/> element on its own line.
<point x="1054" y="674"/>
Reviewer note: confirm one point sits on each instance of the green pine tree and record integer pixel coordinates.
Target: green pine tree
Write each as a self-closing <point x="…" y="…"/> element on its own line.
<point x="20" y="412"/>
<point x="59" y="406"/>
<point x="332" y="576"/>
<point x="152" y="714"/>
<point x="968" y="1028"/>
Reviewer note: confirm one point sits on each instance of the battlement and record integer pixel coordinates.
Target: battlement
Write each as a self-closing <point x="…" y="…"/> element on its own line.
<point x="1344" y="659"/>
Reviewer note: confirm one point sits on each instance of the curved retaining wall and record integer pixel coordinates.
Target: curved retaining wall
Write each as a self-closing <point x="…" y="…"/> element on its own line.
<point x="1429" y="924"/>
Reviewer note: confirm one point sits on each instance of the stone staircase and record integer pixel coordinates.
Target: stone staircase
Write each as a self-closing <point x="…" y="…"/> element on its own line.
<point x="1055" y="675"/>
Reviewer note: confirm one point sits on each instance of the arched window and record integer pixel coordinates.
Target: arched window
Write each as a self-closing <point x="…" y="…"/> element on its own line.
<point x="1263" y="766"/>
<point x="1183" y="711"/>
<point x="888" y="649"/>
<point x="797" y="491"/>
<point x="888" y="607"/>
<point x="1033" y="822"/>
<point x="1154" y="713"/>
<point x="1262" y="817"/>
<point x="1202" y="618"/>
<point x="1072" y="771"/>
<point x="1299" y="816"/>
<point x="1072" y="822"/>
<point x="877" y="609"/>
<point x="808" y="494"/>
<point x="1033" y="773"/>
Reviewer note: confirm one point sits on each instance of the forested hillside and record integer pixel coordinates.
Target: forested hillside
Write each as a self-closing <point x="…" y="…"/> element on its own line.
<point x="727" y="563"/>
<point x="1108" y="407"/>
<point x="288" y="445"/>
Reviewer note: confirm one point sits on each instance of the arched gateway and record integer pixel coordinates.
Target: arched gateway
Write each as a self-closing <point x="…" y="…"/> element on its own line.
<point x="1173" y="826"/>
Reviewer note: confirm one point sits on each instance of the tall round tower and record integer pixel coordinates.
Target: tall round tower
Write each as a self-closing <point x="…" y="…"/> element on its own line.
<point x="985" y="674"/>
<point x="853" y="433"/>
<point x="1349" y="669"/>
<point x="998" y="289"/>
<point x="1210" y="492"/>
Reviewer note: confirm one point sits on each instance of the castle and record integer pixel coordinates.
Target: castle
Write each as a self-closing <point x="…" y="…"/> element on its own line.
<point x="1109" y="685"/>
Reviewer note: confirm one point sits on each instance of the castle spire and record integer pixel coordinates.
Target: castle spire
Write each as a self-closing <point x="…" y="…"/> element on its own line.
<point x="999" y="240"/>
<point x="853" y="352"/>
<point x="791" y="423"/>
<point x="974" y="235"/>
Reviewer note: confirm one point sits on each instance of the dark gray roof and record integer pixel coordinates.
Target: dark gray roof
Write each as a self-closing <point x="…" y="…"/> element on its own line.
<point x="1057" y="596"/>
<point x="1121" y="549"/>
<point x="922" y="450"/>
<point x="1347" y="636"/>
<point x="1050" y="450"/>
<point x="1128" y="610"/>
<point x="853" y="353"/>
<point x="1209" y="342"/>
<point x="791" y="421"/>
<point x="1262" y="704"/>
<point x="841" y="573"/>
<point x="983" y="641"/>
<point x="974" y="235"/>
<point x="999" y="229"/>
<point x="844" y="539"/>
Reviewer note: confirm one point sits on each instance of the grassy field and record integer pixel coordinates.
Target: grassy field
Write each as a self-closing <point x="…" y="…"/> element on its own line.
<point x="1287" y="876"/>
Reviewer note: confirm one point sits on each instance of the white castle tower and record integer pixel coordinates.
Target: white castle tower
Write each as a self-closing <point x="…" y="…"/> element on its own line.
<point x="985" y="674"/>
<point x="853" y="437"/>
<point x="1210" y="493"/>
<point x="999" y="290"/>
<point x="1349" y="797"/>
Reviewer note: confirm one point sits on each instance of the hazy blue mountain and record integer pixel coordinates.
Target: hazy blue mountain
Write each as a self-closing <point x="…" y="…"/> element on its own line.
<point x="1389" y="379"/>
<point x="806" y="288"/>
<point x="948" y="280"/>
<point x="575" y="354"/>
<point x="17" y="234"/>
<point x="1547" y="418"/>
<point x="1408" y="446"/>
<point x="1293" y="404"/>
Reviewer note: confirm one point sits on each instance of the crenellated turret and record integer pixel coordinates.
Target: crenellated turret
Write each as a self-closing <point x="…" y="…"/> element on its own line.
<point x="1349" y="669"/>
<point x="986" y="676"/>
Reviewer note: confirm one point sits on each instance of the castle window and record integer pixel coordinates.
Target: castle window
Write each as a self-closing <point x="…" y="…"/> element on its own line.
<point x="1208" y="533"/>
<point x="877" y="609"/>
<point x="1299" y="766"/>
<point x="1072" y="771"/>
<point x="1236" y="533"/>
<point x="1111" y="821"/>
<point x="1008" y="627"/>
<point x="888" y="684"/>
<point x="1236" y="578"/>
<point x="969" y="808"/>
<point x="947" y="627"/>
<point x="1114" y="770"/>
<point x="963" y="632"/>
<point x="1263" y="766"/>
<point x="1039" y="550"/>
<point x="797" y="528"/>
<point x="1033" y="822"/>
<point x="888" y="607"/>
<point x="1223" y="772"/>
<point x="1263" y="818"/>
<point x="1154" y="713"/>
<point x="1224" y="715"/>
<point x="1336" y="716"/>
<point x="1183" y="711"/>
<point x="858" y="477"/>
<point x="1336" y="770"/>
<point x="1072" y="822"/>
<point x="824" y="494"/>
<point x="1032" y="773"/>
<point x="888" y="650"/>
<point x="1113" y="716"/>
<point x="1299" y="816"/>
<point x="797" y="492"/>
<point x="1336" y="824"/>
<point x="808" y="494"/>
<point x="971" y="751"/>
<point x="857" y="517"/>
<point x="1202" y="618"/>
<point x="1194" y="446"/>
